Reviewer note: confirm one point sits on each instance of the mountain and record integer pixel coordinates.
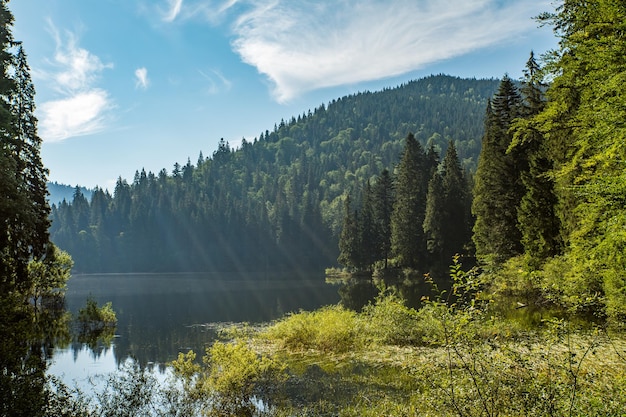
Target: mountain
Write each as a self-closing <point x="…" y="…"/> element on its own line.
<point x="59" y="192"/>
<point x="276" y="203"/>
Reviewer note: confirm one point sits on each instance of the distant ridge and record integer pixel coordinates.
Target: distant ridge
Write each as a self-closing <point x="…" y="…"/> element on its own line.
<point x="59" y="192"/>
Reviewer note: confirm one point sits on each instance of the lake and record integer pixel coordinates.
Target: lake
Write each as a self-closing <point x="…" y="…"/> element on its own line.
<point x="160" y="315"/>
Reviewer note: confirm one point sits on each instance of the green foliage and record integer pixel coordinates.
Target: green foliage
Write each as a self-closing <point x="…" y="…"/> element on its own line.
<point x="230" y="378"/>
<point x="407" y="236"/>
<point x="94" y="318"/>
<point x="572" y="215"/>
<point x="130" y="392"/>
<point x="390" y="322"/>
<point x="32" y="271"/>
<point x="349" y="240"/>
<point x="24" y="209"/>
<point x="329" y="329"/>
<point x="49" y="275"/>
<point x="456" y="357"/>
<point x="498" y="189"/>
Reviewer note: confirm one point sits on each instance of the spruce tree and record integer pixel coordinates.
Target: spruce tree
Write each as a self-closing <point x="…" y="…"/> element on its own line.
<point x="368" y="233"/>
<point x="435" y="219"/>
<point x="25" y="221"/>
<point x="349" y="245"/>
<point x="538" y="222"/>
<point x="383" y="208"/>
<point x="498" y="188"/>
<point x="31" y="268"/>
<point x="408" y="239"/>
<point x="458" y="222"/>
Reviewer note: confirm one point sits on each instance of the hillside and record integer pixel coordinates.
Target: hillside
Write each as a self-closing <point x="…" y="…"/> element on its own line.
<point x="276" y="203"/>
<point x="59" y="192"/>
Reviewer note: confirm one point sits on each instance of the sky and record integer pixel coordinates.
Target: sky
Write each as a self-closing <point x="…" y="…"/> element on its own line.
<point x="129" y="84"/>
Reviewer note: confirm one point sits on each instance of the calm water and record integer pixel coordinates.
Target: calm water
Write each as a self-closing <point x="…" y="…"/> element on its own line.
<point x="160" y="315"/>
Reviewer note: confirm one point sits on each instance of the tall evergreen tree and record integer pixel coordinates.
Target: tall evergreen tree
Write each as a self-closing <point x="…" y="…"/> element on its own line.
<point x="498" y="188"/>
<point x="30" y="266"/>
<point x="435" y="219"/>
<point x="538" y="222"/>
<point x="383" y="191"/>
<point x="458" y="221"/>
<point x="368" y="232"/>
<point x="408" y="239"/>
<point x="349" y="245"/>
<point x="25" y="226"/>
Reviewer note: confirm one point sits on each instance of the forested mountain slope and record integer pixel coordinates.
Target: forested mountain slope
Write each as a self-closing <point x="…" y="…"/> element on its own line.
<point x="276" y="203"/>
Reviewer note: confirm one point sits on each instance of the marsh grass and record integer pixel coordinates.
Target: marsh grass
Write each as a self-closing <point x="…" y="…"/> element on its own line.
<point x="455" y="356"/>
<point x="556" y="372"/>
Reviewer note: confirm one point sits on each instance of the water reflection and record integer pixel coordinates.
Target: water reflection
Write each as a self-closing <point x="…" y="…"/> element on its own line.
<point x="160" y="315"/>
<point x="28" y="333"/>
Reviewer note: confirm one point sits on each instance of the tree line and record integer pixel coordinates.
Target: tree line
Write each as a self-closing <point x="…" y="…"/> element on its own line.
<point x="277" y="202"/>
<point x="419" y="217"/>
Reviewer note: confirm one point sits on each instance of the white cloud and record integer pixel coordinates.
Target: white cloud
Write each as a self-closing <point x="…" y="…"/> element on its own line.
<point x="81" y="108"/>
<point x="141" y="75"/>
<point x="217" y="81"/>
<point x="306" y="45"/>
<point x="303" y="45"/>
<point x="80" y="114"/>
<point x="174" y="7"/>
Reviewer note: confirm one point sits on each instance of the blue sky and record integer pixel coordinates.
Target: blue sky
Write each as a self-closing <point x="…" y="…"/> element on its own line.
<point x="130" y="84"/>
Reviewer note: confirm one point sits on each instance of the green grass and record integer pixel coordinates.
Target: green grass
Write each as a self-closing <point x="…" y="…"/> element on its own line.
<point x="557" y="371"/>
<point x="459" y="358"/>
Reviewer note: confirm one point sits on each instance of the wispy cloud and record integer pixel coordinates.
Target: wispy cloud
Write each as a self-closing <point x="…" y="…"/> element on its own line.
<point x="306" y="45"/>
<point x="211" y="10"/>
<point x="173" y="9"/>
<point x="81" y="108"/>
<point x="217" y="81"/>
<point x="141" y="78"/>
<point x="303" y="45"/>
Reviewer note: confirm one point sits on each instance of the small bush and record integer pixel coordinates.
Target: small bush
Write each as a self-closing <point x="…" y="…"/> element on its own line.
<point x="93" y="318"/>
<point x="388" y="321"/>
<point x="232" y="376"/>
<point x="329" y="329"/>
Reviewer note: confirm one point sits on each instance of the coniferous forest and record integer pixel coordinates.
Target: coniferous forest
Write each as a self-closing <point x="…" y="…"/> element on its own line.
<point x="278" y="202"/>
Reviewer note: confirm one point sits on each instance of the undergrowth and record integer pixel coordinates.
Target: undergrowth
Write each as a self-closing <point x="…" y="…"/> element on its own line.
<point x="455" y="356"/>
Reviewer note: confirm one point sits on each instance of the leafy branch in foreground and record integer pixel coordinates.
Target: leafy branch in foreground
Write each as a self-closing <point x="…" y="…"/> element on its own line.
<point x="546" y="374"/>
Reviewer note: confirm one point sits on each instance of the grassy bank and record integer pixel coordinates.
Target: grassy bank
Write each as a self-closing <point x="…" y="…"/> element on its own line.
<point x="455" y="356"/>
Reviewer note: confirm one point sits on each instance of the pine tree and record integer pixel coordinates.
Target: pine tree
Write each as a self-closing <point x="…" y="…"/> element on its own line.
<point x="383" y="208"/>
<point x="538" y="222"/>
<point x="349" y="250"/>
<point x="408" y="239"/>
<point x="498" y="188"/>
<point x="458" y="222"/>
